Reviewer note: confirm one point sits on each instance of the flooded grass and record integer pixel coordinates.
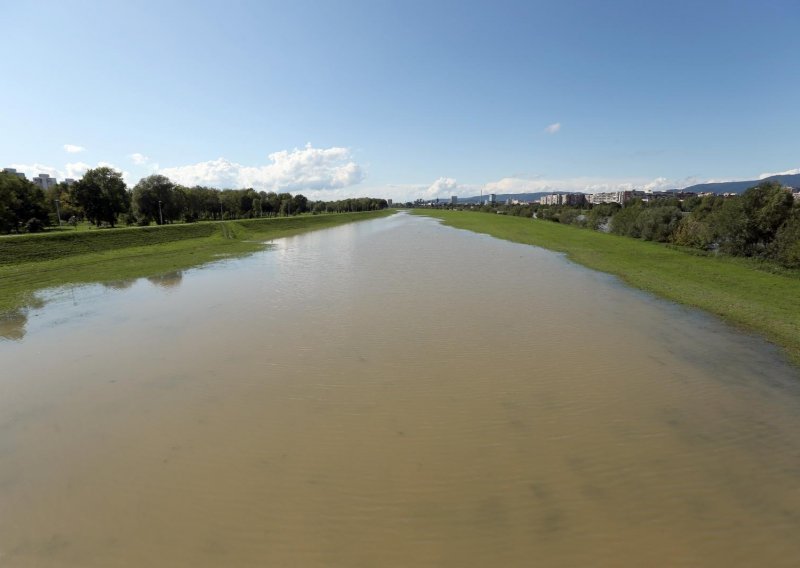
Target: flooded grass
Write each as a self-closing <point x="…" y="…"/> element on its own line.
<point x="31" y="263"/>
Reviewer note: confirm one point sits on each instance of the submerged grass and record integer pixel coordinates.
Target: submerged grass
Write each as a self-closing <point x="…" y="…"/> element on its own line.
<point x="35" y="262"/>
<point x="739" y="291"/>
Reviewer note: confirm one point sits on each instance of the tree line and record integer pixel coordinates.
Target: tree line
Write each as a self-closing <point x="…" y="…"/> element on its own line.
<point x="763" y="222"/>
<point x="102" y="198"/>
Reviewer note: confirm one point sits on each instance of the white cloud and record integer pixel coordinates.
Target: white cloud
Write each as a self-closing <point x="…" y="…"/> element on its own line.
<point x="76" y="170"/>
<point x="442" y="187"/>
<point x="307" y="169"/>
<point x="73" y="149"/>
<point x="139" y="159"/>
<point x="33" y="170"/>
<point x="786" y="173"/>
<point x="553" y="128"/>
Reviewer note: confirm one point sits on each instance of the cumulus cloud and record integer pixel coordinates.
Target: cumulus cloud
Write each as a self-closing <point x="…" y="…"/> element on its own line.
<point x="306" y="169"/>
<point x="443" y="186"/>
<point x="139" y="159"/>
<point x="73" y="149"/>
<point x="553" y="128"/>
<point x="786" y="173"/>
<point x="33" y="170"/>
<point x="75" y="170"/>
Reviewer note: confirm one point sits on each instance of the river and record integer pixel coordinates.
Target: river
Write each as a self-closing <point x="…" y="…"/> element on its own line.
<point x="392" y="393"/>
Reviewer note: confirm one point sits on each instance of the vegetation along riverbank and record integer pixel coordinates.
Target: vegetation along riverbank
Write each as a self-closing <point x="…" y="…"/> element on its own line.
<point x="33" y="262"/>
<point x="733" y="288"/>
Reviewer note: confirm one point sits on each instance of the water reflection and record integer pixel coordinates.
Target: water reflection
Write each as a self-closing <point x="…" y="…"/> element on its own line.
<point x="167" y="280"/>
<point x="12" y="325"/>
<point x="120" y="284"/>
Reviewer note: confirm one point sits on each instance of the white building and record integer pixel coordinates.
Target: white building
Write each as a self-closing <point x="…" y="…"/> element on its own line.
<point x="621" y="197"/>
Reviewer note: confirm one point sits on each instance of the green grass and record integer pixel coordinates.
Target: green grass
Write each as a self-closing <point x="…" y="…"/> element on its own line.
<point x="740" y="291"/>
<point x="33" y="262"/>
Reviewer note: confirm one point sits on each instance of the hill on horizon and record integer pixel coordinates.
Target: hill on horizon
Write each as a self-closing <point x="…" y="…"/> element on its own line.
<point x="792" y="180"/>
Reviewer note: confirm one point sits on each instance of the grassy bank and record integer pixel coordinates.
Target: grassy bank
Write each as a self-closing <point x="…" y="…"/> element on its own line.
<point x="732" y="288"/>
<point x="32" y="262"/>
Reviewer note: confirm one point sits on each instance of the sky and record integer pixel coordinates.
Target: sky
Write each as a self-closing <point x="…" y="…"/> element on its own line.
<point x="403" y="99"/>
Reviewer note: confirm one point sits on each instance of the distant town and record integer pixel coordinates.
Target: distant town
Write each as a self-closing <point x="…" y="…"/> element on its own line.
<point x="580" y="199"/>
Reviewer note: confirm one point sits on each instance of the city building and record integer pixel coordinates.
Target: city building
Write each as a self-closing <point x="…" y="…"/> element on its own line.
<point x="573" y="199"/>
<point x="70" y="181"/>
<point x="44" y="181"/>
<point x="13" y="171"/>
<point x="492" y="198"/>
<point x="454" y="200"/>
<point x="621" y="197"/>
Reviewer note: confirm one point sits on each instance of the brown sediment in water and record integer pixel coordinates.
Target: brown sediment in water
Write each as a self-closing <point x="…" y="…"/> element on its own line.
<point x="393" y="393"/>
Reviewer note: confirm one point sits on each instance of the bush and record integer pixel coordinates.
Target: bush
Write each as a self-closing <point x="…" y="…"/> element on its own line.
<point x="34" y="225"/>
<point x="658" y="223"/>
<point x="786" y="247"/>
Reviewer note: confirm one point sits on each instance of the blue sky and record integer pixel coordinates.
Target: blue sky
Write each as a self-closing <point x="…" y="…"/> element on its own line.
<point x="403" y="99"/>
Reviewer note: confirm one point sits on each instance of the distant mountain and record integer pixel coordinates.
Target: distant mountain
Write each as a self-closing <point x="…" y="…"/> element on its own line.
<point x="742" y="186"/>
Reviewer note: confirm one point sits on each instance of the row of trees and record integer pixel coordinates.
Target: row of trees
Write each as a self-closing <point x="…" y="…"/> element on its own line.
<point x="763" y="222"/>
<point x="102" y="198"/>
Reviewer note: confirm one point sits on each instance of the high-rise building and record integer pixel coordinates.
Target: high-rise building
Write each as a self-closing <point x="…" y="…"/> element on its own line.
<point x="453" y="199"/>
<point x="13" y="171"/>
<point x="44" y="181"/>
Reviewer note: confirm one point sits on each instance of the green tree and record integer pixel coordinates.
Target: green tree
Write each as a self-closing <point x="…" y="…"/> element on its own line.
<point x="658" y="223"/>
<point x="786" y="246"/>
<point x="102" y="194"/>
<point x="20" y="203"/>
<point x="767" y="207"/>
<point x="157" y="191"/>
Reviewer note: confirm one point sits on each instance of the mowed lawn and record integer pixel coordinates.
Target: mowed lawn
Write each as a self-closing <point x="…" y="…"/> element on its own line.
<point x="33" y="262"/>
<point x="739" y="290"/>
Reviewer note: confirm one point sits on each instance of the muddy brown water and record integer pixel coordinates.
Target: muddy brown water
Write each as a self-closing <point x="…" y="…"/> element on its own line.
<point x="392" y="393"/>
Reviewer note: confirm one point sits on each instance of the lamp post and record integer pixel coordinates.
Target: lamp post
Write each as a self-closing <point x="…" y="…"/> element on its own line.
<point x="160" y="215"/>
<point x="58" y="211"/>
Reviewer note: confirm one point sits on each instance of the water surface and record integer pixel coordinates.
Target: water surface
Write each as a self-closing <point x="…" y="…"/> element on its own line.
<point x="392" y="393"/>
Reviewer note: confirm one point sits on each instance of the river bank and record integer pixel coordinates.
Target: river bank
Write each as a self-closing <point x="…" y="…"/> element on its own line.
<point x="731" y="288"/>
<point x="33" y="262"/>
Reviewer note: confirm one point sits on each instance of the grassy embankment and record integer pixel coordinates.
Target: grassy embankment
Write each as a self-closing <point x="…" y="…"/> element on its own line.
<point x="32" y="262"/>
<point x="733" y="288"/>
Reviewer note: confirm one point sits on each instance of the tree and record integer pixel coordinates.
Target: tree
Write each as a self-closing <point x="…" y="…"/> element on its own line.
<point x="20" y="202"/>
<point x="102" y="194"/>
<point x="786" y="246"/>
<point x="767" y="206"/>
<point x="157" y="191"/>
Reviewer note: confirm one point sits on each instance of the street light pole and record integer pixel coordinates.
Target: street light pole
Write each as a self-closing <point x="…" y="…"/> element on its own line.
<point x="160" y="215"/>
<point x="58" y="211"/>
